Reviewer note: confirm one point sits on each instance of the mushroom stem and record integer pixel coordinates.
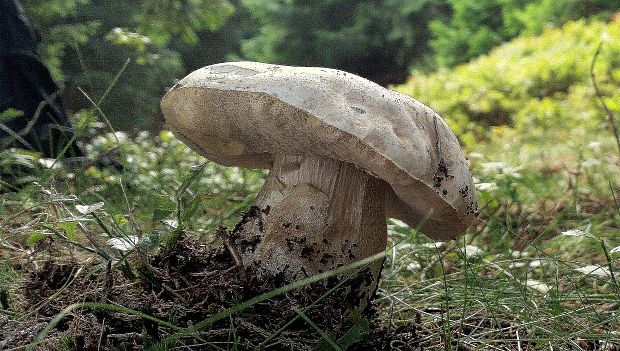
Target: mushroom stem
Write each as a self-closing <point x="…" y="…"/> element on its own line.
<point x="319" y="213"/>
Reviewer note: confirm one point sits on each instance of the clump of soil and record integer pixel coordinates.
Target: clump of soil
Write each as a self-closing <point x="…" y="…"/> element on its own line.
<point x="185" y="285"/>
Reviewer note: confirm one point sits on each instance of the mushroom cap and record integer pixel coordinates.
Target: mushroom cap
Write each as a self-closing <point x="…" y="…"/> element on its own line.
<point x="243" y="113"/>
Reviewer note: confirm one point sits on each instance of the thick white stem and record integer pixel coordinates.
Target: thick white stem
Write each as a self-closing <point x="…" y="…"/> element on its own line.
<point x="319" y="213"/>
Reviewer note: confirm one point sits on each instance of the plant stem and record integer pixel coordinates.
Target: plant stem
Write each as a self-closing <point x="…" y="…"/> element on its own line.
<point x="610" y="116"/>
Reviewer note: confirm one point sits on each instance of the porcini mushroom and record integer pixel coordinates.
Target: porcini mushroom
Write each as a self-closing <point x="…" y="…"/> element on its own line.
<point x="344" y="153"/>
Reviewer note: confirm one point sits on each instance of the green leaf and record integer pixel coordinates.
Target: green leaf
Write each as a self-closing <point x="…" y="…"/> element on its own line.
<point x="357" y="332"/>
<point x="34" y="238"/>
<point x="120" y="219"/>
<point x="161" y="214"/>
<point x="69" y="228"/>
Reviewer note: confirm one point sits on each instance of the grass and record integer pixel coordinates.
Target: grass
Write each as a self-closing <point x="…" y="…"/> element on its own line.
<point x="514" y="282"/>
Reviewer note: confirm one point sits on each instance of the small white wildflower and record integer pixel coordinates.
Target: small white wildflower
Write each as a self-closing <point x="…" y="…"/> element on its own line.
<point x="536" y="263"/>
<point x="595" y="145"/>
<point x="517" y="264"/>
<point x="391" y="231"/>
<point x="476" y="155"/>
<point x="518" y="253"/>
<point x="168" y="171"/>
<point x="142" y="136"/>
<point x="538" y="286"/>
<point x="171" y="223"/>
<point x="405" y="246"/>
<point x="598" y="271"/>
<point x="574" y="232"/>
<point x="591" y="162"/>
<point x="398" y="222"/>
<point x="615" y="250"/>
<point x="435" y="245"/>
<point x="125" y="243"/>
<point x="216" y="179"/>
<point x="500" y="167"/>
<point x="86" y="209"/>
<point x="413" y="267"/>
<point x="486" y="186"/>
<point x="235" y="176"/>
<point x="473" y="251"/>
<point x="605" y="37"/>
<point x="492" y="166"/>
<point x="48" y="162"/>
<point x="121" y="136"/>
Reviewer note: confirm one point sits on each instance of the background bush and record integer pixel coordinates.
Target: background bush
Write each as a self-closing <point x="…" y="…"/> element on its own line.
<point x="87" y="42"/>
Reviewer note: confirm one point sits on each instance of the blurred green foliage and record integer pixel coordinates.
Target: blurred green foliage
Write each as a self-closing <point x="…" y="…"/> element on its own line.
<point x="375" y="39"/>
<point x="477" y="26"/>
<point x="532" y="90"/>
<point x="534" y="131"/>
<point x="86" y="42"/>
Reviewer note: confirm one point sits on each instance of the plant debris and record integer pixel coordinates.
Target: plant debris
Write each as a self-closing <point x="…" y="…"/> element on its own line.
<point x="184" y="286"/>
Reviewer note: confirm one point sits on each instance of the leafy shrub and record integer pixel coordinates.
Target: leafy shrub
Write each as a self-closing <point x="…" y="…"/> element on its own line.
<point x="533" y="88"/>
<point x="477" y="26"/>
<point x="155" y="166"/>
<point x="375" y="39"/>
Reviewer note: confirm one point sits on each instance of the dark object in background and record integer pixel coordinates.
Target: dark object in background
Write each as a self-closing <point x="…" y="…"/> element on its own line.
<point x="27" y="85"/>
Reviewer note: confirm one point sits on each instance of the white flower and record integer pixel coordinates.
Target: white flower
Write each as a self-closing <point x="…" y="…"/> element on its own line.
<point x="518" y="253"/>
<point x="605" y="37"/>
<point x="598" y="271"/>
<point x="538" y="286"/>
<point x="125" y="243"/>
<point x="500" y="167"/>
<point x="435" y="245"/>
<point x="536" y="263"/>
<point x="486" y="186"/>
<point x="574" y="232"/>
<point x="591" y="162"/>
<point x="476" y="155"/>
<point x="492" y="166"/>
<point x="48" y="163"/>
<point x="405" y="246"/>
<point x="615" y="250"/>
<point x="517" y="264"/>
<point x="413" y="267"/>
<point x="171" y="223"/>
<point x="86" y="209"/>
<point x="473" y="251"/>
<point x="121" y="136"/>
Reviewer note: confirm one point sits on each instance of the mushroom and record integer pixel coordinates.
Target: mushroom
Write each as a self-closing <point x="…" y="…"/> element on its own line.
<point x="344" y="153"/>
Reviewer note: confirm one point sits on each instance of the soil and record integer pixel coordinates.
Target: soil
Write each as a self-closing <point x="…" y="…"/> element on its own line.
<point x="185" y="285"/>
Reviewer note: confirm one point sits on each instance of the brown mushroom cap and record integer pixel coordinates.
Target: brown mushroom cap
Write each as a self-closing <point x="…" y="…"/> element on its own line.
<point x="242" y="113"/>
